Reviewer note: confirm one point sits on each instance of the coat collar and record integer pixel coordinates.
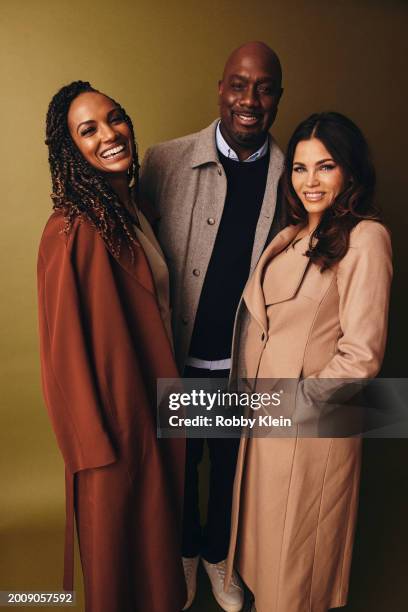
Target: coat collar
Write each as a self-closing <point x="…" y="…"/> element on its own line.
<point x="253" y="294"/>
<point x="205" y="149"/>
<point x="137" y="267"/>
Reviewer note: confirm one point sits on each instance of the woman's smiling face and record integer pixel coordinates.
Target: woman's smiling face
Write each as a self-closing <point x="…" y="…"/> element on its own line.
<point x="99" y="130"/>
<point x="316" y="178"/>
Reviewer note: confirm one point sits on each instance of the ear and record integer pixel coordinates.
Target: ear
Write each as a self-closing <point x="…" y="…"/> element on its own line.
<point x="220" y="87"/>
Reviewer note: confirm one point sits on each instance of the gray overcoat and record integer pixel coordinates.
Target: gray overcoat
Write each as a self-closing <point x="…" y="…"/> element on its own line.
<point x="185" y="183"/>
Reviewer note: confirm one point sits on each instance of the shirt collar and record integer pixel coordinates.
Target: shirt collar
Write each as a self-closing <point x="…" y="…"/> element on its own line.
<point x="226" y="150"/>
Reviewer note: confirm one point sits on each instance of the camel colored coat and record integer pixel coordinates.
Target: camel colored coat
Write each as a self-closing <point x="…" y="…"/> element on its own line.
<point x="295" y="499"/>
<point x="103" y="345"/>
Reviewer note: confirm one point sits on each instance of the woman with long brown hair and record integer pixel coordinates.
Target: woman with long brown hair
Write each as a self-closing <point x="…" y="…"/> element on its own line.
<point x="316" y="310"/>
<point x="105" y="340"/>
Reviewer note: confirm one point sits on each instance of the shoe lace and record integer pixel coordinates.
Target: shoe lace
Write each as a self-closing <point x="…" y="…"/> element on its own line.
<point x="188" y="567"/>
<point x="222" y="570"/>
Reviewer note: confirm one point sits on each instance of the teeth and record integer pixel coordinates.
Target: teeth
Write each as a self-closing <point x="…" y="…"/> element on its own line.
<point x="313" y="196"/>
<point x="247" y="117"/>
<point x="114" y="151"/>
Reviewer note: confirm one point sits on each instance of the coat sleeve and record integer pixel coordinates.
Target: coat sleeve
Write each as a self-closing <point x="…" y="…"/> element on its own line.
<point x="68" y="378"/>
<point x="363" y="279"/>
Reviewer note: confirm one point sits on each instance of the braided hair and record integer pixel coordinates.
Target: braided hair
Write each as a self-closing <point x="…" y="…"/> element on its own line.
<point x="79" y="189"/>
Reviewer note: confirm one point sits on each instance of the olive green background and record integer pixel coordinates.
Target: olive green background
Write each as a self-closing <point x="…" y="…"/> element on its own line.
<point x="162" y="61"/>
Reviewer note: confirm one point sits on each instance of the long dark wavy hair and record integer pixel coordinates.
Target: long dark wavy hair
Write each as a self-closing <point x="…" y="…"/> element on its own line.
<point x="348" y="147"/>
<point x="79" y="189"/>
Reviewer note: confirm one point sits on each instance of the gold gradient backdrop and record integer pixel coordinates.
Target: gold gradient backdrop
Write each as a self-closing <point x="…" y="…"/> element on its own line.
<point x="162" y="61"/>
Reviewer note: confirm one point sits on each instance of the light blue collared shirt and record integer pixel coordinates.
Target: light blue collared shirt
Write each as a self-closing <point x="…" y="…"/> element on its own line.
<point x="226" y="150"/>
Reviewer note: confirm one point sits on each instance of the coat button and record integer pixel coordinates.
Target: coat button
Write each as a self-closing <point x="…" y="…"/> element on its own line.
<point x="196" y="272"/>
<point x="210" y="221"/>
<point x="263" y="336"/>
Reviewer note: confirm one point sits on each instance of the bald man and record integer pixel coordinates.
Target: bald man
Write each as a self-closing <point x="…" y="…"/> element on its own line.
<point x="214" y="197"/>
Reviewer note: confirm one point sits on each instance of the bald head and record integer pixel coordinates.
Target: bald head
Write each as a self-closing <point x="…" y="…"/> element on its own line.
<point x="258" y="51"/>
<point x="249" y="94"/>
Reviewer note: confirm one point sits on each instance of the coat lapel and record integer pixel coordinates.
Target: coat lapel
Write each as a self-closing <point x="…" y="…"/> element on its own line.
<point x="136" y="266"/>
<point x="253" y="294"/>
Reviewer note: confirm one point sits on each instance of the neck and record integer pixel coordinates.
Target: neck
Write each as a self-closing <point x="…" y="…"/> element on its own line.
<point x="313" y="220"/>
<point x="119" y="184"/>
<point x="242" y="152"/>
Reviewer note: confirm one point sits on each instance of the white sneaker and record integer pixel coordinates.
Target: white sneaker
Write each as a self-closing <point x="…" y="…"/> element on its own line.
<point x="190" y="565"/>
<point x="231" y="600"/>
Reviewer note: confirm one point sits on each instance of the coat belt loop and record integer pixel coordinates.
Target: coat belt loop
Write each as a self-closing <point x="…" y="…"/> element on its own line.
<point x="68" y="583"/>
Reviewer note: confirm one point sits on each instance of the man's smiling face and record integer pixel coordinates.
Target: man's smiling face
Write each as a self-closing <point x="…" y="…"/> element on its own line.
<point x="249" y="94"/>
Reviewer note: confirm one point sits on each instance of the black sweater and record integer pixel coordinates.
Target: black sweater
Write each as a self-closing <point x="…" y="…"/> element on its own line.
<point x="230" y="261"/>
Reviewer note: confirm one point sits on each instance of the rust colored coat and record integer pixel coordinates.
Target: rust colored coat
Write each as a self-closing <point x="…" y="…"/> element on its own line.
<point x="103" y="345"/>
<point x="295" y="499"/>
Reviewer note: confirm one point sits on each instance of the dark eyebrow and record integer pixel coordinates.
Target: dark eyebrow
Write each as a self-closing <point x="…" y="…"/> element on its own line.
<point x="321" y="161"/>
<point x="261" y="80"/>
<point x="325" y="160"/>
<point x="85" y="123"/>
<point x="113" y="110"/>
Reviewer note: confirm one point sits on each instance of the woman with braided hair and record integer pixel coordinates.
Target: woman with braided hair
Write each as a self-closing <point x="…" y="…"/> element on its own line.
<point x="105" y="339"/>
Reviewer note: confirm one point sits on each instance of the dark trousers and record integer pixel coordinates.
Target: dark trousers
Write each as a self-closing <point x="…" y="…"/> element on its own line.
<point x="212" y="541"/>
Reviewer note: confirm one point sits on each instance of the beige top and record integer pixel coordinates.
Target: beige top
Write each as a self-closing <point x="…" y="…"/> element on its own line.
<point x="158" y="268"/>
